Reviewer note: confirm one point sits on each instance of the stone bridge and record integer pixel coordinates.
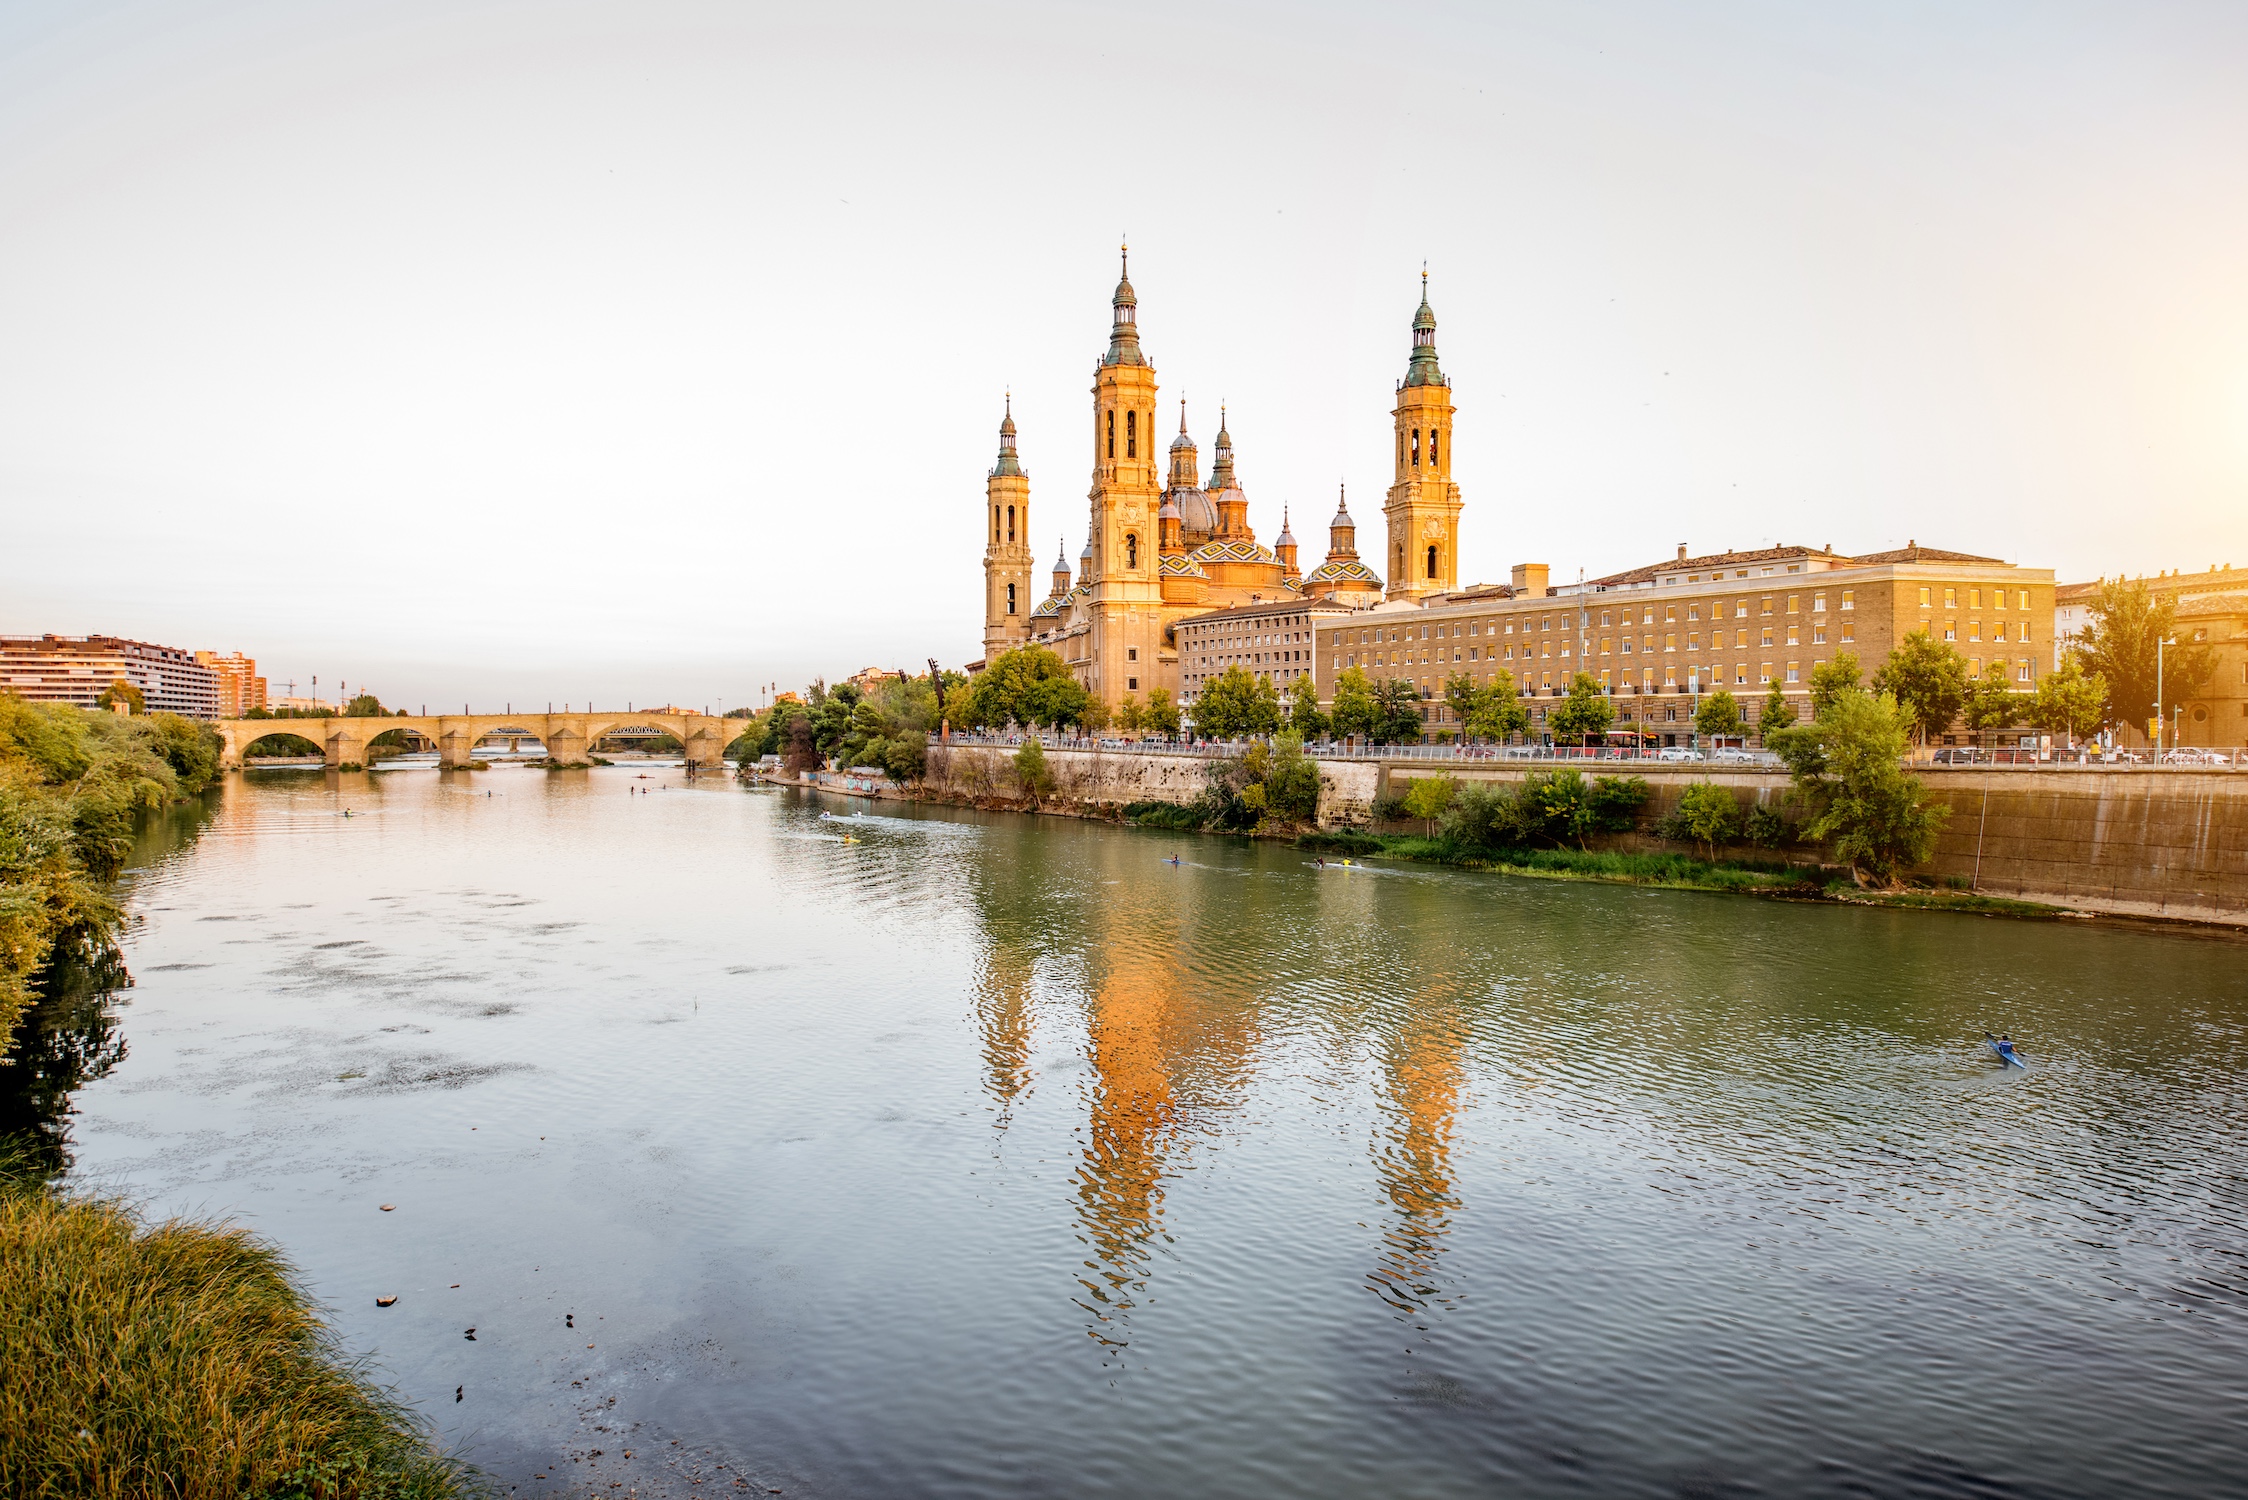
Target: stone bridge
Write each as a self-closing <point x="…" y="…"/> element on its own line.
<point x="568" y="738"/>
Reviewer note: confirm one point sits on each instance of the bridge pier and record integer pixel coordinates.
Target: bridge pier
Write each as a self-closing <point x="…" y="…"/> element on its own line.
<point x="566" y="746"/>
<point x="346" y="747"/>
<point x="455" y="747"/>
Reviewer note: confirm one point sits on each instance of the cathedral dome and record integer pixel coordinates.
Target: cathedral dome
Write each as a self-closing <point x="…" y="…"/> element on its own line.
<point x="1196" y="512"/>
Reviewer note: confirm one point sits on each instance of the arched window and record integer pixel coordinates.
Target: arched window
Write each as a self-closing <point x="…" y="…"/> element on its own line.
<point x="995" y="523"/>
<point x="1010" y="523"/>
<point x="1010" y="598"/>
<point x="1131" y="434"/>
<point x="1401" y="559"/>
<point x="1416" y="447"/>
<point x="1132" y="550"/>
<point x="1401" y="450"/>
<point x="1112" y="434"/>
<point x="1432" y="562"/>
<point x="1432" y="435"/>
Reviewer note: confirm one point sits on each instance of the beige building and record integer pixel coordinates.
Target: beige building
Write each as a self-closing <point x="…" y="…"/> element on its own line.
<point x="240" y="687"/>
<point x="1659" y="636"/>
<point x="76" y="669"/>
<point x="2212" y="610"/>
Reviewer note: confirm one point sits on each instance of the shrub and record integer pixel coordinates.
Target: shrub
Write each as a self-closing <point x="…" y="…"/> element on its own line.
<point x="1032" y="774"/>
<point x="1709" y="814"/>
<point x="1164" y="815"/>
<point x="1764" y="827"/>
<point x="1616" y="801"/>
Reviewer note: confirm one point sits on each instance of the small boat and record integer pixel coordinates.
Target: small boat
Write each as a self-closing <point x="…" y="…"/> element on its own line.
<point x="2005" y="1053"/>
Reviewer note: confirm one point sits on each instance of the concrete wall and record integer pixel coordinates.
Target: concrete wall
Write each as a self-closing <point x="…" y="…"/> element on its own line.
<point x="2169" y="843"/>
<point x="1093" y="777"/>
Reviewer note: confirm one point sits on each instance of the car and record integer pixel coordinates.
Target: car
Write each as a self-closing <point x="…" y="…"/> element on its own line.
<point x="1677" y="752"/>
<point x="2191" y="757"/>
<point x="1731" y="752"/>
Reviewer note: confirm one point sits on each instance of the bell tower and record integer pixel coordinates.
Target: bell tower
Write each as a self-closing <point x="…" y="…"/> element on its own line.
<point x="1007" y="597"/>
<point x="1126" y="613"/>
<point x="1423" y="508"/>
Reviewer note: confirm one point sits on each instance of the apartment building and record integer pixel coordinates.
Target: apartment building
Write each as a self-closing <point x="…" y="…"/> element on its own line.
<point x="240" y="687"/>
<point x="77" y="668"/>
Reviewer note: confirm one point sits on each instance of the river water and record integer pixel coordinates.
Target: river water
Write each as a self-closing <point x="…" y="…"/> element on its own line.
<point x="988" y="1155"/>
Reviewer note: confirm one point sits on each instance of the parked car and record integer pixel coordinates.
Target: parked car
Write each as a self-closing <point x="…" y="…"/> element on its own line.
<point x="2187" y="756"/>
<point x="1677" y="752"/>
<point x="1731" y="753"/>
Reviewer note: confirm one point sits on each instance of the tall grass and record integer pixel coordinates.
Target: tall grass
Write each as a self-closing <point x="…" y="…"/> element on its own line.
<point x="1665" y="869"/>
<point x="181" y="1361"/>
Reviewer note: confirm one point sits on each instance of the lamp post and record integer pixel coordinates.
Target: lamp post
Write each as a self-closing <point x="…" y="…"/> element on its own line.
<point x="2158" y="645"/>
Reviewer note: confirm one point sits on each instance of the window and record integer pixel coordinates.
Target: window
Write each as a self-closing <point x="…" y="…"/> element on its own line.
<point x="1133" y="683"/>
<point x="1767" y="637"/>
<point x="1670" y="643"/>
<point x="1792" y="639"/>
<point x="1131" y="653"/>
<point x="1604" y="617"/>
<point x="1432" y="436"/>
<point x="1766" y="674"/>
<point x="1974" y="630"/>
<point x="1974" y="598"/>
<point x="1740" y="610"/>
<point x="1131" y="434"/>
<point x="1010" y="523"/>
<point x="1998" y="598"/>
<point x="995" y="523"/>
<point x="1693" y="611"/>
<point x="1693" y="643"/>
<point x="1010" y="598"/>
<point x="2021" y="670"/>
<point x="1924" y="598"/>
<point x="1400" y="559"/>
<point x="1670" y="614"/>
<point x="1849" y="599"/>
<point x="1849" y="631"/>
<point x="1818" y="637"/>
<point x="1791" y="671"/>
<point x="1792" y="601"/>
<point x="1416" y="447"/>
<point x="1818" y="604"/>
<point x="1432" y="562"/>
<point x="1112" y="434"/>
<point x="1767" y="604"/>
<point x="1951" y="630"/>
<point x="1951" y="598"/>
<point x="1132" y="548"/>
<point x="2025" y="599"/>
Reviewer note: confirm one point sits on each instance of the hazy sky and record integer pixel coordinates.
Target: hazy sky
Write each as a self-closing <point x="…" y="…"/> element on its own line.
<point x="655" y="350"/>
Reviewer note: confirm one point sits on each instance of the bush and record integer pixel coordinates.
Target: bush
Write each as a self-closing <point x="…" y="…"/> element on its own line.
<point x="1345" y="841"/>
<point x="1709" y="814"/>
<point x="1764" y="827"/>
<point x="1164" y="815"/>
<point x="1032" y="774"/>
<point x="1616" y="801"/>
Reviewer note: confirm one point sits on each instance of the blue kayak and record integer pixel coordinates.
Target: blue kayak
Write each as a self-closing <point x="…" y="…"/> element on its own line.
<point x="2008" y="1056"/>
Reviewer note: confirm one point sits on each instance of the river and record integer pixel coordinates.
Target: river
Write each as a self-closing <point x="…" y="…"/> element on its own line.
<point x="984" y="1155"/>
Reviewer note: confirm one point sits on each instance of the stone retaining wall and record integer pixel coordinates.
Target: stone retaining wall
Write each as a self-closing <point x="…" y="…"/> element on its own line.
<point x="1119" y="777"/>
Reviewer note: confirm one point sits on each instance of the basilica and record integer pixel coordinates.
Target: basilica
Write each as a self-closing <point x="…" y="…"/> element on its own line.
<point x="1172" y="583"/>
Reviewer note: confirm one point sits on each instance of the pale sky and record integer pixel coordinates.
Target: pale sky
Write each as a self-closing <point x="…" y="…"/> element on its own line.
<point x="527" y="352"/>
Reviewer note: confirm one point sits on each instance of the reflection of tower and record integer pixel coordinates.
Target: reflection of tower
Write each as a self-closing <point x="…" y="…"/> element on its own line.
<point x="1423" y="505"/>
<point x="1134" y="1119"/>
<point x="1004" y="1018"/>
<point x="1007" y="562"/>
<point x="1422" y="1071"/>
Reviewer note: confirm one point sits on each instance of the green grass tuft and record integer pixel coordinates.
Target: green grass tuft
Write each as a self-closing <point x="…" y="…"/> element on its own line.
<point x="182" y="1361"/>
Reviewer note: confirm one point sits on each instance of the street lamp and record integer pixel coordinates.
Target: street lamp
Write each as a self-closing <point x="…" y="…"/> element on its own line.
<point x="2158" y="645"/>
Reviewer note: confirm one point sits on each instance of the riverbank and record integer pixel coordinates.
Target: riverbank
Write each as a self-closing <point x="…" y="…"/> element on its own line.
<point x="1677" y="872"/>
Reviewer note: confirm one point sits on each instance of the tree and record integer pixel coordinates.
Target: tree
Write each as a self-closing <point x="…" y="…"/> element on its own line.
<point x="2069" y="701"/>
<point x="1928" y="680"/>
<point x="1847" y="767"/>
<point x="1304" y="717"/>
<point x="1092" y="718"/>
<point x="1991" y="703"/>
<point x="1291" y="781"/>
<point x="1230" y="706"/>
<point x="1720" y="714"/>
<point x="803" y="752"/>
<point x="123" y="692"/>
<point x="1710" y="813"/>
<point x="1428" y="796"/>
<point x="1128" y="713"/>
<point x="1491" y="712"/>
<point x="2120" y="647"/>
<point x="1585" y="714"/>
<point x="1161" y="715"/>
<point x="1032" y="774"/>
<point x="1776" y="714"/>
<point x="365" y="706"/>
<point x="1830" y="678"/>
<point x="1355" y="711"/>
<point x="1028" y="685"/>
<point x="1397" y="706"/>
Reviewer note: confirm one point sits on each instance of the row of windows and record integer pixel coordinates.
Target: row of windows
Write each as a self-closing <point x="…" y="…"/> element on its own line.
<point x="1974" y="595"/>
<point x="1131" y="433"/>
<point x="995" y="523"/>
<point x="1701" y="678"/>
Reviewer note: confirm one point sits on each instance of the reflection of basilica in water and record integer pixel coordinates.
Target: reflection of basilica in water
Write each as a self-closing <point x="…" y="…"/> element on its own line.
<point x="1175" y="1024"/>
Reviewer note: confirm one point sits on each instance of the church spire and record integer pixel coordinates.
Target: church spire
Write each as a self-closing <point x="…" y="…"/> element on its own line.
<point x="1124" y="330"/>
<point x="1008" y="462"/>
<point x="1423" y="368"/>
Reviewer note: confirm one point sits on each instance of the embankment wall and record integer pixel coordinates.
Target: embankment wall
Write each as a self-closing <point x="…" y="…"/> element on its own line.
<point x="1096" y="777"/>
